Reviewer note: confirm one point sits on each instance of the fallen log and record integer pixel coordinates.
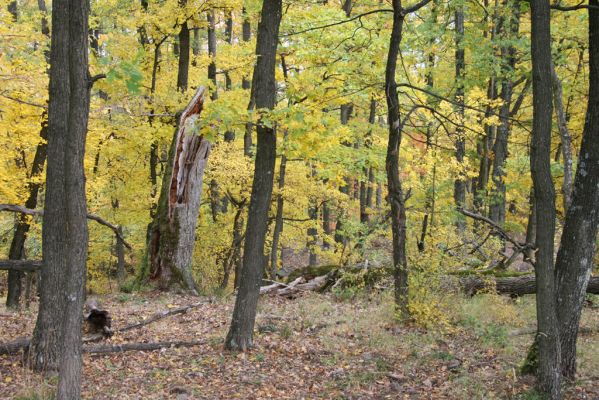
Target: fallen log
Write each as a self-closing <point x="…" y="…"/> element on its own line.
<point x="14" y="346"/>
<point x="120" y="348"/>
<point x="20" y="265"/>
<point x="279" y="285"/>
<point x="23" y="343"/>
<point x="513" y="286"/>
<point x="155" y="317"/>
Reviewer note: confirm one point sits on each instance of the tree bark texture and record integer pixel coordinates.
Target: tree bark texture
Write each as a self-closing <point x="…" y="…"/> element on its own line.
<point x="548" y="374"/>
<point x="575" y="255"/>
<point x="396" y="197"/>
<point x="64" y="233"/>
<point x="241" y="332"/>
<point x="172" y="232"/>
<point x="212" y="53"/>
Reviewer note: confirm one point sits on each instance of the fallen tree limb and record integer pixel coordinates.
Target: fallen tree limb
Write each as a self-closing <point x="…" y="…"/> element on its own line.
<point x="28" y="211"/>
<point x="120" y="348"/>
<point x="14" y="346"/>
<point x="20" y="265"/>
<point x="23" y="343"/>
<point x="278" y="285"/>
<point x="514" y="286"/>
<point x="155" y="317"/>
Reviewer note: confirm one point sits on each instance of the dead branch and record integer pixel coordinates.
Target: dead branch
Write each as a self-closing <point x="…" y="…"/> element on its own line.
<point x="20" y="265"/>
<point x="28" y="211"/>
<point x="156" y="317"/>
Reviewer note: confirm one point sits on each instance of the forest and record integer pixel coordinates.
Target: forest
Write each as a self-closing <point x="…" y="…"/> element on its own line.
<point x="299" y="199"/>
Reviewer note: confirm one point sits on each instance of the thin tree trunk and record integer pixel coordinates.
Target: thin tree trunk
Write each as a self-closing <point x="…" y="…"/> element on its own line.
<point x="575" y="256"/>
<point x="497" y="205"/>
<point x="566" y="139"/>
<point x="246" y="84"/>
<point x="459" y="190"/>
<point x="183" y="70"/>
<point x="17" y="245"/>
<point x="548" y="374"/>
<point x="278" y="230"/>
<point x="212" y="54"/>
<point x="172" y="232"/>
<point x="396" y="197"/>
<point x="229" y="134"/>
<point x="241" y="332"/>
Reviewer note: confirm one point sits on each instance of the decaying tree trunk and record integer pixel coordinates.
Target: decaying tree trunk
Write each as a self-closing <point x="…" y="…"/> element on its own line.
<point x="172" y="232"/>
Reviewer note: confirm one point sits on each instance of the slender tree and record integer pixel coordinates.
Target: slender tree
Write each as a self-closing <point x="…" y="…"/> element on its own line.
<point x="548" y="373"/>
<point x="396" y="197"/>
<point x="241" y="332"/>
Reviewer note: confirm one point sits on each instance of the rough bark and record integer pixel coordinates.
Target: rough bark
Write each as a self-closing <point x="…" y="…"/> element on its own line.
<point x="172" y="232"/>
<point x="548" y="374"/>
<point x="241" y="332"/>
<point x="575" y="255"/>
<point x="64" y="233"/>
<point x="396" y="197"/>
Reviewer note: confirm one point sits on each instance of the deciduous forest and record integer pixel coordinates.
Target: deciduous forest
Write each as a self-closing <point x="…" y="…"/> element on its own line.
<point x="299" y="199"/>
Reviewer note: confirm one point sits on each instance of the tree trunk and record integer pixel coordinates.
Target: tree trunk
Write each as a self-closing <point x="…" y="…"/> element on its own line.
<point x="241" y="332"/>
<point x="566" y="139"/>
<point x="17" y="245"/>
<point x="548" y="374"/>
<point x="233" y="259"/>
<point x="396" y="197"/>
<point x="245" y="84"/>
<point x="278" y="230"/>
<point x="172" y="232"/>
<point x="183" y="70"/>
<point x="500" y="148"/>
<point x="575" y="255"/>
<point x="459" y="190"/>
<point x="64" y="233"/>
<point x="212" y="54"/>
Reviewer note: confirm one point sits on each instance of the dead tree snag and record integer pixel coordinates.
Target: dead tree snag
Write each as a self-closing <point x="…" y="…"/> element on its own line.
<point x="172" y="232"/>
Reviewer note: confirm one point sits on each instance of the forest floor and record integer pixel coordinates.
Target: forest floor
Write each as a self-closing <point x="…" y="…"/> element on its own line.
<point x="312" y="347"/>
